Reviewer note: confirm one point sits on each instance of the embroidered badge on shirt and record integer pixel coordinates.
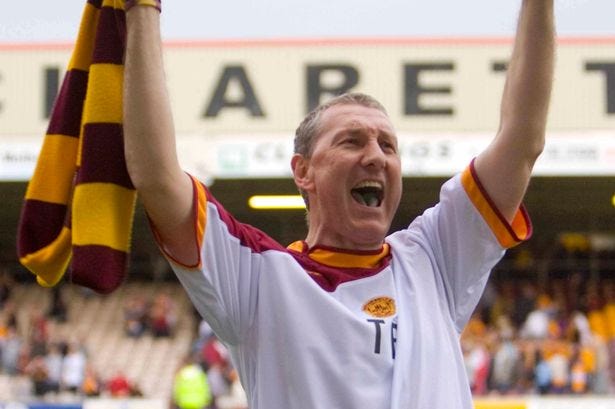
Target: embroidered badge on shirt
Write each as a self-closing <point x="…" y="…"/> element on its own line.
<point x="380" y="307"/>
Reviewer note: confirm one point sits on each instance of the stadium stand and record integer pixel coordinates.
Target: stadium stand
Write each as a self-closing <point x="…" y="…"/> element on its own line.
<point x="95" y="323"/>
<point x="545" y="326"/>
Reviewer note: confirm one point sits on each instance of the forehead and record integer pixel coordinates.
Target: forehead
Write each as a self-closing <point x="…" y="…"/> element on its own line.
<point x="348" y="116"/>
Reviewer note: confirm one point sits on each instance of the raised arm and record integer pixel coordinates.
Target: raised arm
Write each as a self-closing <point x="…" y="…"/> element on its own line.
<point x="505" y="167"/>
<point x="149" y="137"/>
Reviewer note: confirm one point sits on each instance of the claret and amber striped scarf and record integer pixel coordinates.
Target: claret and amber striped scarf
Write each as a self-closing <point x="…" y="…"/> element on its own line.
<point x="79" y="205"/>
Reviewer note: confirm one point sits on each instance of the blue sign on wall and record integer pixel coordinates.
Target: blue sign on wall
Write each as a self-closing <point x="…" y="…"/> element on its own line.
<point x="18" y="405"/>
<point x="54" y="406"/>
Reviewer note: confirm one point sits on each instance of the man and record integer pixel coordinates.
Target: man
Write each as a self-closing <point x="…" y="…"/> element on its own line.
<point x="191" y="387"/>
<point x="349" y="317"/>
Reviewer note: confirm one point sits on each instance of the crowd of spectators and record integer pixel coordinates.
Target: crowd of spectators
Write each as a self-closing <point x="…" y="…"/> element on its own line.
<point x="213" y="357"/>
<point x="554" y="339"/>
<point x="157" y="317"/>
<point x="44" y="362"/>
<point x="531" y="333"/>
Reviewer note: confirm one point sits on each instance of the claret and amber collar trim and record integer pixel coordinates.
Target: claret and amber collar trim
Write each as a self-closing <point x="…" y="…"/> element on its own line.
<point x="341" y="258"/>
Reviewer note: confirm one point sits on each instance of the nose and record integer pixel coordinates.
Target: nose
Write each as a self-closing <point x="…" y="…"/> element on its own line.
<point x="373" y="155"/>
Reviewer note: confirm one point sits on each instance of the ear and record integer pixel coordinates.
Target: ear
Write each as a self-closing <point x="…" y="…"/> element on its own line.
<point x="300" y="166"/>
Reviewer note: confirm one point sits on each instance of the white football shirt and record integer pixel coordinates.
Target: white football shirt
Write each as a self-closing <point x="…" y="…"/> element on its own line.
<point x="326" y="328"/>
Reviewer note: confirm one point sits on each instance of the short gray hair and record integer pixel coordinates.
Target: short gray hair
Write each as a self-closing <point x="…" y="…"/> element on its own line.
<point x="309" y="129"/>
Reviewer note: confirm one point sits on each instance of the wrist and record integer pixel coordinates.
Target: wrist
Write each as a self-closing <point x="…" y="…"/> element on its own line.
<point x="150" y="3"/>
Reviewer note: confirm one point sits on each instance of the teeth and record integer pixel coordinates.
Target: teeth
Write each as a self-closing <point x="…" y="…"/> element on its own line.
<point x="369" y="183"/>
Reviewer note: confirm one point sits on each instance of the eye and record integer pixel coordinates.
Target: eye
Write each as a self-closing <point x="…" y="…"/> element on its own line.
<point x="353" y="141"/>
<point x="388" y="146"/>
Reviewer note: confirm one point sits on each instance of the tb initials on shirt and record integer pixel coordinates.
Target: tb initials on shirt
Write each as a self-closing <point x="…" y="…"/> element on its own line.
<point x="384" y="332"/>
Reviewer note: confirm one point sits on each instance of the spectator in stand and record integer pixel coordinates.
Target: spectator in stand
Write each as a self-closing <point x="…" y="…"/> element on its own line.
<point x="559" y="362"/>
<point x="38" y="331"/>
<point x="506" y="364"/>
<point x="478" y="361"/>
<point x="4" y="330"/>
<point x="162" y="316"/>
<point x="595" y="311"/>
<point x="8" y="315"/>
<point x="600" y="327"/>
<point x="118" y="386"/>
<point x="158" y="322"/>
<point x="527" y="365"/>
<point x="580" y="330"/>
<point x="91" y="382"/>
<point x="476" y="327"/>
<point x="215" y="362"/>
<point x="53" y="359"/>
<point x="213" y="352"/>
<point x="536" y="325"/>
<point x="135" y="316"/>
<point x="218" y="379"/>
<point x="204" y="331"/>
<point x="10" y="347"/>
<point x="236" y="397"/>
<point x="73" y="368"/>
<point x="542" y="374"/>
<point x="23" y="358"/>
<point x="474" y="347"/>
<point x="579" y="374"/>
<point x="38" y="373"/>
<point x="602" y="383"/>
<point x="609" y="313"/>
<point x="190" y="386"/>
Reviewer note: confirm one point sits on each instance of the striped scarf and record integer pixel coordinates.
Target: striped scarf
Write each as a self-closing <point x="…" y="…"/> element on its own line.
<point x="79" y="205"/>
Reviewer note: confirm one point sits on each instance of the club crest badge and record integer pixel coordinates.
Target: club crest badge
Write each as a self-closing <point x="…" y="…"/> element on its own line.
<point x="380" y="307"/>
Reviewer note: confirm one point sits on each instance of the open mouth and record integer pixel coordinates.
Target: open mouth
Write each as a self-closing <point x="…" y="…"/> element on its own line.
<point x="368" y="194"/>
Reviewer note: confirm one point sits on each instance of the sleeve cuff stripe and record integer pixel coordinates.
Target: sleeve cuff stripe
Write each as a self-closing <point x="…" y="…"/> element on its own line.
<point x="507" y="234"/>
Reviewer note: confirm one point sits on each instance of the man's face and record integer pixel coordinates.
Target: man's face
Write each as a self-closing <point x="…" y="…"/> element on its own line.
<point x="353" y="178"/>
